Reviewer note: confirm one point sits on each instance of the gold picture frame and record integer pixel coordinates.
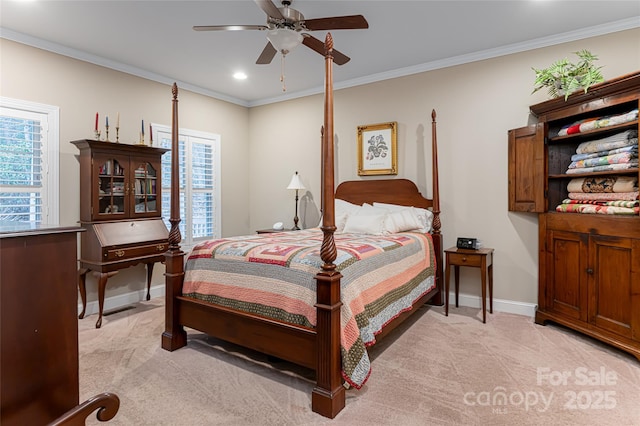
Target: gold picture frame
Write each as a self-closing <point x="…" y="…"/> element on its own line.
<point x="378" y="149"/>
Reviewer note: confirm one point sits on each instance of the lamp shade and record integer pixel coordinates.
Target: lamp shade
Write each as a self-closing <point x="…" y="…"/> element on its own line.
<point x="295" y="183"/>
<point x="284" y="40"/>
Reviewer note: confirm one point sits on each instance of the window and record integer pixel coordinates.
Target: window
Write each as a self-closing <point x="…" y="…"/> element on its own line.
<point x="199" y="153"/>
<point x="29" y="158"/>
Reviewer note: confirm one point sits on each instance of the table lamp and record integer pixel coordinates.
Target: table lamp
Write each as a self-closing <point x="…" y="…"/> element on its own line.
<point x="296" y="184"/>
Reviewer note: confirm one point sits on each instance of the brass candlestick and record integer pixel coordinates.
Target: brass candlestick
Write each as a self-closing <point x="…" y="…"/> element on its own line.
<point x="141" y="139"/>
<point x="106" y="128"/>
<point x="117" y="134"/>
<point x="97" y="134"/>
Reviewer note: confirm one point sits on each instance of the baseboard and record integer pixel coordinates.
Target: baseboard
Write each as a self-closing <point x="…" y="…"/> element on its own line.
<point x="499" y="305"/>
<point x="122" y="300"/>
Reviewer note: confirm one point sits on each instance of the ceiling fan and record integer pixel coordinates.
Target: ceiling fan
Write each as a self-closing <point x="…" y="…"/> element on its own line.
<point x="286" y="29"/>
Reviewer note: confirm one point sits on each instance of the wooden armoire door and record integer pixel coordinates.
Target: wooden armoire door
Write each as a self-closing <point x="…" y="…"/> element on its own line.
<point x="614" y="285"/>
<point x="566" y="281"/>
<point x="527" y="169"/>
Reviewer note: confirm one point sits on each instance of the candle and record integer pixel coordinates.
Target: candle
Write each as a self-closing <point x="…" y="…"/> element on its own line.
<point x="142" y="127"/>
<point x="118" y="120"/>
<point x="150" y="133"/>
<point x="106" y="121"/>
<point x="96" y="122"/>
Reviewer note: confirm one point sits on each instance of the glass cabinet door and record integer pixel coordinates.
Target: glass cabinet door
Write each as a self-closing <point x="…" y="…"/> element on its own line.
<point x="119" y="181"/>
<point x="112" y="188"/>
<point x="145" y="188"/>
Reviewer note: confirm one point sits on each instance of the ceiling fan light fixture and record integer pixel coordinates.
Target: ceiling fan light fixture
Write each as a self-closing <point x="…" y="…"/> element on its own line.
<point x="284" y="40"/>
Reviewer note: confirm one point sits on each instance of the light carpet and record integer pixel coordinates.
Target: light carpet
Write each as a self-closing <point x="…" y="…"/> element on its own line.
<point x="433" y="370"/>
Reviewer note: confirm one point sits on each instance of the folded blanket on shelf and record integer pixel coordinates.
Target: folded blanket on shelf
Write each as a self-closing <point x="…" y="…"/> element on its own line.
<point x="618" y="203"/>
<point x="619" y="140"/>
<point x="620" y="158"/>
<point x="604" y="196"/>
<point x="603" y="184"/>
<point x="598" y="122"/>
<point x="597" y="209"/>
<point x="631" y="148"/>
<point x="632" y="164"/>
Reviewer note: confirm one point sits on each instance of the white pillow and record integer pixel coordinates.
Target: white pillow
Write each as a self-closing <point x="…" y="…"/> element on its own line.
<point x="392" y="207"/>
<point x="341" y="221"/>
<point x="341" y="212"/>
<point x="397" y="219"/>
<point x="425" y="217"/>
<point x="342" y="206"/>
<point x="369" y="210"/>
<point x="402" y="220"/>
<point x="367" y="220"/>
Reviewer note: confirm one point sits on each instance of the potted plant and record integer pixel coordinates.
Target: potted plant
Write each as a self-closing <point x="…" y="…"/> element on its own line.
<point x="564" y="77"/>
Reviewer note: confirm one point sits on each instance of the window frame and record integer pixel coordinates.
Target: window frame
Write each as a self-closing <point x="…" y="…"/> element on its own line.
<point x="50" y="192"/>
<point x="184" y="135"/>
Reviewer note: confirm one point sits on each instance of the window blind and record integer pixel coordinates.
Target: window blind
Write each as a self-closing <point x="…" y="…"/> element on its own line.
<point x="23" y="140"/>
<point x="199" y="188"/>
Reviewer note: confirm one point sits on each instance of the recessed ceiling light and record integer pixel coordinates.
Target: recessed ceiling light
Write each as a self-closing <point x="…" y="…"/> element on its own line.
<point x="240" y="76"/>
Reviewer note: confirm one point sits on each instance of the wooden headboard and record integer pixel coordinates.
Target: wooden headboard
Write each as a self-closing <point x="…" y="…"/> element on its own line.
<point x="391" y="191"/>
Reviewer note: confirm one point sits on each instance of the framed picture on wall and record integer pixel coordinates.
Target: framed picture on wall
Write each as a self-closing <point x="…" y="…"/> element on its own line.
<point x="378" y="149"/>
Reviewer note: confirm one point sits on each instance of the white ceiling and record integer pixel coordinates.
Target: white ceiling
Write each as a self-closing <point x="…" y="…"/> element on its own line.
<point x="154" y="39"/>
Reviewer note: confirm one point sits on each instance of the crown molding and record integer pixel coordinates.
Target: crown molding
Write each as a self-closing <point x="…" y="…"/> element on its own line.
<point x="114" y="65"/>
<point x="594" y="31"/>
<point x="598" y="30"/>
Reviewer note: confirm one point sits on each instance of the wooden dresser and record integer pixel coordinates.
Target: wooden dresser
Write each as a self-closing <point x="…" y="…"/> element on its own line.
<point x="589" y="263"/>
<point x="39" y="329"/>
<point x="120" y="208"/>
<point x="38" y="324"/>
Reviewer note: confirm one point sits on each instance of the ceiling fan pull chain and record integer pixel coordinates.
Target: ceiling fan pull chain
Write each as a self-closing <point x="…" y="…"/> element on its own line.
<point x="284" y="87"/>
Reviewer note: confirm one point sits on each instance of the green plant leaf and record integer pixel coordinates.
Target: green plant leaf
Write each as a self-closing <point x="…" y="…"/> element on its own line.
<point x="565" y="77"/>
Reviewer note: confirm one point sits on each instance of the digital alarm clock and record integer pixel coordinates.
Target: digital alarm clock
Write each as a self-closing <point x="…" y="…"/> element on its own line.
<point x="468" y="243"/>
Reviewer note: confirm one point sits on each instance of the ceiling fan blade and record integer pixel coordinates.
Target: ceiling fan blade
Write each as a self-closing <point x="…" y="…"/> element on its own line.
<point x="267" y="54"/>
<point x="352" y="22"/>
<point x="315" y="44"/>
<point x="269" y="8"/>
<point x="229" y="27"/>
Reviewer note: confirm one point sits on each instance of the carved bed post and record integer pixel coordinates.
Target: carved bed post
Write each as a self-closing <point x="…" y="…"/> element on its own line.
<point x="435" y="233"/>
<point x="322" y="171"/>
<point x="174" y="336"/>
<point x="328" y="396"/>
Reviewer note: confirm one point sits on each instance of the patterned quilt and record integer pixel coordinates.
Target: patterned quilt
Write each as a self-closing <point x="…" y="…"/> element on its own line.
<point x="272" y="275"/>
<point x="617" y="207"/>
<point x="598" y="123"/>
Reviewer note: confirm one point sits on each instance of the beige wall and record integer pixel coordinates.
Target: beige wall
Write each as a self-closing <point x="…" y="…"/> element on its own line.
<point x="476" y="105"/>
<point x="263" y="146"/>
<point x="81" y="89"/>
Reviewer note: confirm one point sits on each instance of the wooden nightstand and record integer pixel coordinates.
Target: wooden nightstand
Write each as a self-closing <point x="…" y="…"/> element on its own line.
<point x="481" y="258"/>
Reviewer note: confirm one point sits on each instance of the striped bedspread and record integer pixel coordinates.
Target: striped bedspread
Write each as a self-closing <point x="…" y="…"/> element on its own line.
<point x="273" y="275"/>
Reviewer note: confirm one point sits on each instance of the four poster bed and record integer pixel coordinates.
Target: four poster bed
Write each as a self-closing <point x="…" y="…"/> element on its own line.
<point x="338" y="290"/>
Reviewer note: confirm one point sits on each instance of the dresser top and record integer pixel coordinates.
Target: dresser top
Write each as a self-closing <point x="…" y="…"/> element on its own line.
<point x="9" y="229"/>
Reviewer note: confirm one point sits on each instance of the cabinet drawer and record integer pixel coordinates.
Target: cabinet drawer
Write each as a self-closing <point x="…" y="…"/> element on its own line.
<point x="121" y="253"/>
<point x="465" y="259"/>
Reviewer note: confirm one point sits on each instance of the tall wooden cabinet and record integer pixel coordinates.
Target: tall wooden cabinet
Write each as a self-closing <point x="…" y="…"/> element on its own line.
<point x="120" y="208"/>
<point x="589" y="264"/>
<point x="39" y="330"/>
